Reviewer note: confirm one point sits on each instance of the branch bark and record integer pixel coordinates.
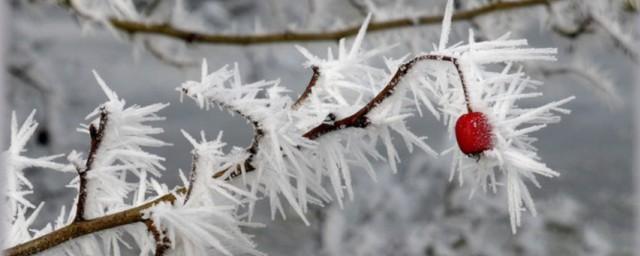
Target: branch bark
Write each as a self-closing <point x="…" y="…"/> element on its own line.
<point x="252" y="149"/>
<point x="78" y="229"/>
<point x="96" y="134"/>
<point x="162" y="241"/>
<point x="192" y="176"/>
<point x="82" y="195"/>
<point x="133" y="27"/>
<point x="307" y="91"/>
<point x="360" y="120"/>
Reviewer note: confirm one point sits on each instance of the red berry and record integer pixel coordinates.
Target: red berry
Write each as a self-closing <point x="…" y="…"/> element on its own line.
<point x="473" y="133"/>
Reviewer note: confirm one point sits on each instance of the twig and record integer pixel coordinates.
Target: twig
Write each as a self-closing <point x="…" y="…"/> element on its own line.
<point x="96" y="134"/>
<point x="360" y="120"/>
<point x="192" y="176"/>
<point x="258" y="133"/>
<point x="78" y="229"/>
<point x="134" y="27"/>
<point x="307" y="91"/>
<point x="82" y="195"/>
<point x="162" y="241"/>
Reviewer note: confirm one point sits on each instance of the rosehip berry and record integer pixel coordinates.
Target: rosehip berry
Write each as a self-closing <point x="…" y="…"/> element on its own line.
<point x="473" y="133"/>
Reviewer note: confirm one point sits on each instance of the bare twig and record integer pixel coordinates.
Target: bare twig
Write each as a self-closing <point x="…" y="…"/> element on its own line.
<point x="258" y="133"/>
<point x="97" y="134"/>
<point x="134" y="27"/>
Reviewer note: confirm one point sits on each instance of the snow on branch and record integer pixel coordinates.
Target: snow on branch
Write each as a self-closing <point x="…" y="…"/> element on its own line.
<point x="118" y="136"/>
<point x="18" y="187"/>
<point x="495" y="95"/>
<point x="202" y="229"/>
<point x="305" y="151"/>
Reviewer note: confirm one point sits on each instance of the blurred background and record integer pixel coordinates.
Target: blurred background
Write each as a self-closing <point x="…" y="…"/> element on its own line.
<point x="589" y="210"/>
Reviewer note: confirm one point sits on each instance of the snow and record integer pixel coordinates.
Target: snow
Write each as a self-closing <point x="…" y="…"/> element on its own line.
<point x="565" y="156"/>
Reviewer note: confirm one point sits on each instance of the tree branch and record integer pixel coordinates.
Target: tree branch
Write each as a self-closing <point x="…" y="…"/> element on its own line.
<point x="96" y="134"/>
<point x="192" y="177"/>
<point x="78" y="229"/>
<point x="307" y="91"/>
<point x="360" y="120"/>
<point x="82" y="195"/>
<point x="133" y="27"/>
<point x="258" y="133"/>
<point x="162" y="241"/>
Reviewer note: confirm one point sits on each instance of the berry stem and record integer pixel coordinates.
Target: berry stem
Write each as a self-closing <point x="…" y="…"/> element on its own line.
<point x="455" y="63"/>
<point x="464" y="85"/>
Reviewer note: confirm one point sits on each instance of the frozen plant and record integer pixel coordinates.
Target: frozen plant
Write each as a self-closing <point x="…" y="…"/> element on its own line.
<point x="17" y="186"/>
<point x="305" y="151"/>
<point x="166" y="30"/>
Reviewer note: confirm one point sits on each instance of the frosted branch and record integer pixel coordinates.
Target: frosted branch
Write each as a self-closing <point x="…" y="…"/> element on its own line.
<point x="162" y="241"/>
<point x="307" y="91"/>
<point x="96" y="134"/>
<point x="135" y="27"/>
